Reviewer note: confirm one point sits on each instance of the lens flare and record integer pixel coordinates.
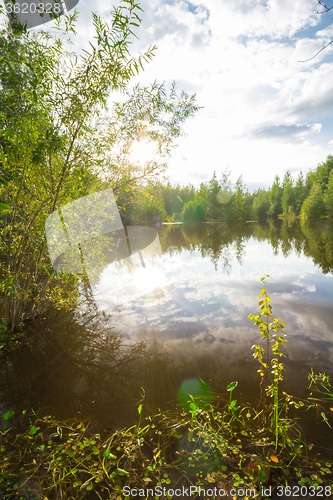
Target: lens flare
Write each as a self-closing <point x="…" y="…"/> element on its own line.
<point x="194" y="390"/>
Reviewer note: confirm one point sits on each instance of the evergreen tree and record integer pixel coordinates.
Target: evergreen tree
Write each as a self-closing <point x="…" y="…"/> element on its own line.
<point x="224" y="196"/>
<point x="287" y="193"/>
<point x="299" y="193"/>
<point x="275" y="197"/>
<point x="238" y="200"/>
<point x="213" y="205"/>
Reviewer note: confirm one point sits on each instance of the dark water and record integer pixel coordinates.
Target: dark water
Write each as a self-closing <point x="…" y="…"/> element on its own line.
<point x="183" y="316"/>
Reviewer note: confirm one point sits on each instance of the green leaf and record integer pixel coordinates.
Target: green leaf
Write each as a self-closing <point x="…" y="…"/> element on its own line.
<point x="233" y="405"/>
<point x="122" y="472"/>
<point x="140" y="409"/>
<point x="4" y="207"/>
<point x="8" y="415"/>
<point x="108" y="454"/>
<point x="232" y="386"/>
<point x="33" y="430"/>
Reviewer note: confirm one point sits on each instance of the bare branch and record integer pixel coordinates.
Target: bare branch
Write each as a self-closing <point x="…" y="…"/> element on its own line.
<point x="306" y="60"/>
<point x="324" y="6"/>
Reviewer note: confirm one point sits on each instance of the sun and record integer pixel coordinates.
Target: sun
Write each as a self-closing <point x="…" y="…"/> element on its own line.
<point x="142" y="152"/>
<point x="149" y="278"/>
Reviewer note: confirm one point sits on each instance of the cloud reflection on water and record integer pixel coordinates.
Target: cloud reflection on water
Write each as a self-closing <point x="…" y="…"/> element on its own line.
<point x="192" y="302"/>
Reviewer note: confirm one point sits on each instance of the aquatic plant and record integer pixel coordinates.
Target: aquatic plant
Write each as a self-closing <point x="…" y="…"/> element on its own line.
<point x="320" y="383"/>
<point x="269" y="328"/>
<point x="233" y="402"/>
<point x="202" y="447"/>
<point x="271" y="370"/>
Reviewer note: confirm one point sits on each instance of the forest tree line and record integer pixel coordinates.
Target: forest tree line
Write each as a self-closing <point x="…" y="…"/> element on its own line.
<point x="308" y="196"/>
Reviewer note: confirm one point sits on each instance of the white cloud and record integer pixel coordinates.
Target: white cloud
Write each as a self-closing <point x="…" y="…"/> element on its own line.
<point x="246" y="77"/>
<point x="241" y="58"/>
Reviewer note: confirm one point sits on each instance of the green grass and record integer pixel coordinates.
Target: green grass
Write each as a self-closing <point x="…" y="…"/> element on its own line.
<point x="204" y="446"/>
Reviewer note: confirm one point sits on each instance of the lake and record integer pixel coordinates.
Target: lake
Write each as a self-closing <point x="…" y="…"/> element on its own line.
<point x="182" y="316"/>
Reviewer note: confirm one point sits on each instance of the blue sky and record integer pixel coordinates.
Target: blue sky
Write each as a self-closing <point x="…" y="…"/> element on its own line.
<point x="264" y="112"/>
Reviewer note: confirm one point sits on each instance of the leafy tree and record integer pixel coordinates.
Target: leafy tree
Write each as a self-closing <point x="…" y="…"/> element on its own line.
<point x="238" y="200"/>
<point x="218" y="202"/>
<point x="248" y="205"/>
<point x="320" y="175"/>
<point x="310" y="178"/>
<point x="175" y="199"/>
<point x="322" y="172"/>
<point x="213" y="192"/>
<point x="287" y="199"/>
<point x="328" y="196"/>
<point x="224" y="196"/>
<point x="201" y="198"/>
<point x="275" y="198"/>
<point x="261" y="204"/>
<point x="60" y="140"/>
<point x="313" y="206"/>
<point x="146" y="205"/>
<point x="299" y="193"/>
<point x="194" y="211"/>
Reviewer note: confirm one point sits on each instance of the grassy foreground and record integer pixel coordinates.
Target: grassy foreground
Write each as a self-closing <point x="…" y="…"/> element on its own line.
<point x="208" y="448"/>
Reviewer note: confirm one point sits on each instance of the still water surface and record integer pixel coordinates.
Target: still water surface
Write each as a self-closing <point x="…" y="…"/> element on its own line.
<point x="183" y="316"/>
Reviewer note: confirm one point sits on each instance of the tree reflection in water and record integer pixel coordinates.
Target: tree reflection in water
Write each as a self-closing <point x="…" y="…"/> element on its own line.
<point x="74" y="363"/>
<point x="223" y="242"/>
